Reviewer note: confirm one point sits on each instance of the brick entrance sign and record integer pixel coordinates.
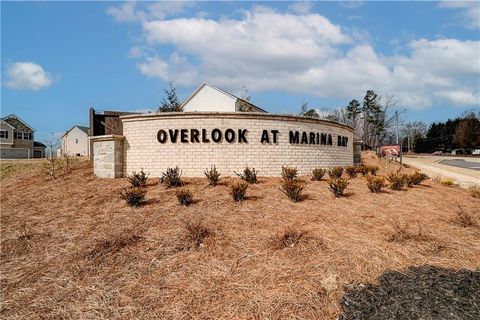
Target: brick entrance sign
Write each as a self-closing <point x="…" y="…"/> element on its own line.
<point x="194" y="141"/>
